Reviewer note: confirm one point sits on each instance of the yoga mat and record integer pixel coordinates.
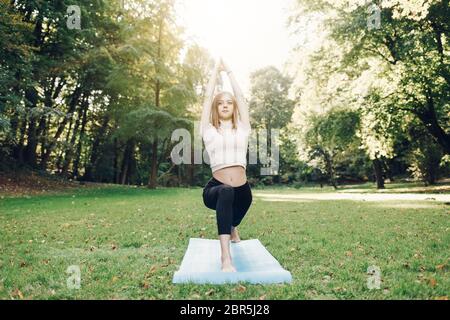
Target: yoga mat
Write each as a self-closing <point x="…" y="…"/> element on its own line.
<point x="253" y="262"/>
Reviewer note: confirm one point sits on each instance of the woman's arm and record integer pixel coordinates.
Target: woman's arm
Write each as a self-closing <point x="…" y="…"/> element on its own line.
<point x="207" y="102"/>
<point x="242" y="104"/>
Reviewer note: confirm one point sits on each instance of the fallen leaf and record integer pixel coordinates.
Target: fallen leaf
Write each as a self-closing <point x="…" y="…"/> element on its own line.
<point x="432" y="282"/>
<point x="17" y="293"/>
<point x="440" y="266"/>
<point x="349" y="254"/>
<point x="241" y="288"/>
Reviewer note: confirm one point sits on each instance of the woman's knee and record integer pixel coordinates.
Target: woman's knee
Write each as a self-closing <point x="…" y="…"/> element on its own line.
<point x="226" y="193"/>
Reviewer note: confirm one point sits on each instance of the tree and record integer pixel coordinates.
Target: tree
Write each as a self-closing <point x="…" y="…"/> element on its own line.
<point x="65" y="93"/>
<point x="410" y="42"/>
<point x="269" y="105"/>
<point x="329" y="136"/>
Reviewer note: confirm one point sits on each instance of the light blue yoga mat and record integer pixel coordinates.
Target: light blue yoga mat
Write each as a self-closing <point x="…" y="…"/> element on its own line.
<point x="201" y="264"/>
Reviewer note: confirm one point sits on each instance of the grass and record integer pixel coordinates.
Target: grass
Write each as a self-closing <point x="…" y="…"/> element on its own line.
<point x="128" y="242"/>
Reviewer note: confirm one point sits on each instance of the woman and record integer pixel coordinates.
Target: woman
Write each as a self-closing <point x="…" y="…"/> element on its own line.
<point x="226" y="141"/>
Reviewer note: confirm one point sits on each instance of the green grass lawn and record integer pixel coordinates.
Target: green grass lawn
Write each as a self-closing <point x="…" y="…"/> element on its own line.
<point x="128" y="242"/>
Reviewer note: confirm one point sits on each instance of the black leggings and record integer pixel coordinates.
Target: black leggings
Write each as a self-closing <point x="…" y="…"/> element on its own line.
<point x="231" y="203"/>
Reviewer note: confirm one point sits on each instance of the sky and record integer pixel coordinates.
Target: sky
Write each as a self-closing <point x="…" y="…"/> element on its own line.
<point x="248" y="34"/>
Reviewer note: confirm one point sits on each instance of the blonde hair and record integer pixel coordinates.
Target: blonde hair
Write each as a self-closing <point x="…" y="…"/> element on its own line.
<point x="215" y="111"/>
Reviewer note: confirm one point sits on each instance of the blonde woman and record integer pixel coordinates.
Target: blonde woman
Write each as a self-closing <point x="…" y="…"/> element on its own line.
<point x="225" y="128"/>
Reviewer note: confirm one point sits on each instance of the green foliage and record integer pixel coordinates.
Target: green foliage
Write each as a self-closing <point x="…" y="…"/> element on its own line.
<point x="393" y="76"/>
<point x="144" y="124"/>
<point x="270" y="106"/>
<point x="414" y="50"/>
<point x="330" y="138"/>
<point x="425" y="156"/>
<point x="74" y="96"/>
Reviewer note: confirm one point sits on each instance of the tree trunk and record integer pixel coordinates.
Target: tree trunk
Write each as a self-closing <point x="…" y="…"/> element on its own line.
<point x="429" y="118"/>
<point x="15" y="122"/>
<point x="62" y="157"/>
<point x="127" y="158"/>
<point x="154" y="166"/>
<point x="377" y="169"/>
<point x="30" y="149"/>
<point x="31" y="96"/>
<point x="76" y="163"/>
<point x="116" y="178"/>
<point x="73" y="103"/>
<point x="88" y="172"/>
<point x="431" y="176"/>
<point x="329" y="164"/>
<point x="44" y="123"/>
<point x="387" y="169"/>
<point x="69" y="151"/>
<point x="41" y="133"/>
<point x="19" y="150"/>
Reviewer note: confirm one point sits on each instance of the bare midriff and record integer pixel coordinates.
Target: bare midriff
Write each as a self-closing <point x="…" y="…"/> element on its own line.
<point x="234" y="176"/>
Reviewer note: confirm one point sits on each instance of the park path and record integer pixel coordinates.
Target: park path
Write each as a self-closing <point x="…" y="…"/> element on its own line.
<point x="354" y="196"/>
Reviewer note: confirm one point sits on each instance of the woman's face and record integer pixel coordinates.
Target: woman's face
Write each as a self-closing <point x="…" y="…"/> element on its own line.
<point x="225" y="107"/>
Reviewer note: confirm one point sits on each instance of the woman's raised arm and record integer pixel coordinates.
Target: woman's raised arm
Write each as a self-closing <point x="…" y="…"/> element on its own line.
<point x="209" y="95"/>
<point x="242" y="104"/>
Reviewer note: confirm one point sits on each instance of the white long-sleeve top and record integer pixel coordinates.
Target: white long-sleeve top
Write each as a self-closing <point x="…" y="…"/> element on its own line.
<point x="227" y="146"/>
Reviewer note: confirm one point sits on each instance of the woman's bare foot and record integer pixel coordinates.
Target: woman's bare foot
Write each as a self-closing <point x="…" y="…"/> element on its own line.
<point x="234" y="235"/>
<point x="227" y="265"/>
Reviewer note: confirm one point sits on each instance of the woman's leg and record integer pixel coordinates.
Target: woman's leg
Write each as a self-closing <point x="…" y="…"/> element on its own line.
<point x="220" y="198"/>
<point x="227" y="264"/>
<point x="242" y="201"/>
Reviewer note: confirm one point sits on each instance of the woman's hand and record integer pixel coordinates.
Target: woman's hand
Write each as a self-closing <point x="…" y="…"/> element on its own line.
<point x="225" y="66"/>
<point x="220" y="66"/>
